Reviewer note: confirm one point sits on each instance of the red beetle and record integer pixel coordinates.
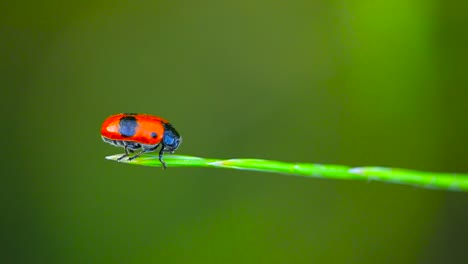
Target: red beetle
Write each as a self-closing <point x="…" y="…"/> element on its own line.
<point x="140" y="131"/>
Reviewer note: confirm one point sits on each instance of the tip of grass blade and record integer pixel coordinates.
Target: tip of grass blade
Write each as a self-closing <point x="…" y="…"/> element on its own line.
<point x="151" y="159"/>
<point x="114" y="157"/>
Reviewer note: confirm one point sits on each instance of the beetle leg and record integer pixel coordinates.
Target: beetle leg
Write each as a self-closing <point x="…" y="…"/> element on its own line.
<point x="137" y="155"/>
<point x="124" y="155"/>
<point x="161" y="152"/>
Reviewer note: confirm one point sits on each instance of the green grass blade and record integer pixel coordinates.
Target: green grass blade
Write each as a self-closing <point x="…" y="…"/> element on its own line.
<point x="435" y="180"/>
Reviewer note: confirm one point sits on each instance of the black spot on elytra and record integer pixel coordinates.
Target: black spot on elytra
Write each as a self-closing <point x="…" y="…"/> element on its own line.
<point x="154" y="134"/>
<point x="128" y="126"/>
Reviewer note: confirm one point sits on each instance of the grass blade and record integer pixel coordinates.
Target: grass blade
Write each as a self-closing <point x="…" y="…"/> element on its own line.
<point x="434" y="180"/>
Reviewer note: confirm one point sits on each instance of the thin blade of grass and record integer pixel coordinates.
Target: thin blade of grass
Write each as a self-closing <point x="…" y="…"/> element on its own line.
<point x="434" y="180"/>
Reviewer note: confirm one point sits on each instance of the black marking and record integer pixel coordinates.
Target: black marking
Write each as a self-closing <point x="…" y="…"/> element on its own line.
<point x="132" y="114"/>
<point x="154" y="134"/>
<point x="128" y="126"/>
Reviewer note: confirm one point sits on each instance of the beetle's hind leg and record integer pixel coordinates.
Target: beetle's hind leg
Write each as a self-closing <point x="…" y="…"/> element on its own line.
<point x="126" y="153"/>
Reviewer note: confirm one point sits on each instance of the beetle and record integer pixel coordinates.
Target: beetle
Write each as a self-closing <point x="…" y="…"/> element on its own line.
<point x="140" y="131"/>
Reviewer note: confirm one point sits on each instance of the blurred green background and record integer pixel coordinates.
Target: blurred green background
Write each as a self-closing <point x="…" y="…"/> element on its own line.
<point x="346" y="82"/>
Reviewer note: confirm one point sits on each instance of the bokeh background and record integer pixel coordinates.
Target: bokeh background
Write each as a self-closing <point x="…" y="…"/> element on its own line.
<point x="345" y="82"/>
